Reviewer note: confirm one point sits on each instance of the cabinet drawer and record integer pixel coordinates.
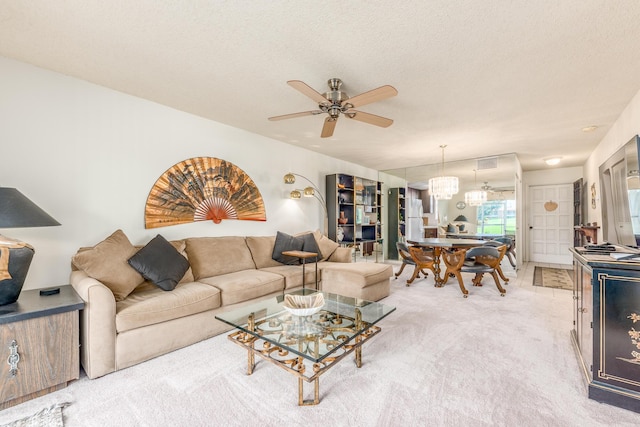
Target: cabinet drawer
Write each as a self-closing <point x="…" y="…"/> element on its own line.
<point x="48" y="351"/>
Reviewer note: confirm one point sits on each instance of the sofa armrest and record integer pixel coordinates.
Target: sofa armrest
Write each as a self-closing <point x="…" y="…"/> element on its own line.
<point x="341" y="254"/>
<point x="97" y="325"/>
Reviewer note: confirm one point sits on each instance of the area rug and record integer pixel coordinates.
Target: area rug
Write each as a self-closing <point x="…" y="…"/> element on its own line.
<point x="48" y="417"/>
<point x="558" y="278"/>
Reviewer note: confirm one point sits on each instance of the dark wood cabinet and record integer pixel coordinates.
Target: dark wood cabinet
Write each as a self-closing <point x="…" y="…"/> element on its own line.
<point x="606" y="331"/>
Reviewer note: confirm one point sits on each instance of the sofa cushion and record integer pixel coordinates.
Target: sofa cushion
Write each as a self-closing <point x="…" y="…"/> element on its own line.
<point x="245" y="285"/>
<point x="284" y="242"/>
<point x="152" y="306"/>
<point x="362" y="274"/>
<point x="107" y="262"/>
<point x="364" y="280"/>
<point x="261" y="248"/>
<point x="214" y="256"/>
<point x="160" y="262"/>
<point x="293" y="275"/>
<point x="326" y="245"/>
<point x="181" y="247"/>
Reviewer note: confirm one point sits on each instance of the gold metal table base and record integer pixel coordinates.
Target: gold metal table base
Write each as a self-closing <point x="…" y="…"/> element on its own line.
<point x="304" y="369"/>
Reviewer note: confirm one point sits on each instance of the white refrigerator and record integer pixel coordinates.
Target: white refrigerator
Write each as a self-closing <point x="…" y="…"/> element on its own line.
<point x="414" y="220"/>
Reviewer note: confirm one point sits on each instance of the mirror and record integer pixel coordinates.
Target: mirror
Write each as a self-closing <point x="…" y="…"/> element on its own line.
<point x="426" y="217"/>
<point x="620" y="188"/>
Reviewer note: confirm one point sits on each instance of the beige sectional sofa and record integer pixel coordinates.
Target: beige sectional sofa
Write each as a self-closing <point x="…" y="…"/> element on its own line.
<point x="127" y="320"/>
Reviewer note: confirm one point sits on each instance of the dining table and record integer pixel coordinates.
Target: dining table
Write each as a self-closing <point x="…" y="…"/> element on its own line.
<point x="438" y="244"/>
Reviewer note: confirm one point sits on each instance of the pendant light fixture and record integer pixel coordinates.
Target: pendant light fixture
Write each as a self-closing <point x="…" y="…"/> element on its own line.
<point x="443" y="187"/>
<point x="476" y="197"/>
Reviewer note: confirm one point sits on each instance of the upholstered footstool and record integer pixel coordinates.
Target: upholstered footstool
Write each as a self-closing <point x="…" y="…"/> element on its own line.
<point x="365" y="280"/>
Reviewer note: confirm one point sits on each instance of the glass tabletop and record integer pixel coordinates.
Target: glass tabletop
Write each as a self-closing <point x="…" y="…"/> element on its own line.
<point x="314" y="337"/>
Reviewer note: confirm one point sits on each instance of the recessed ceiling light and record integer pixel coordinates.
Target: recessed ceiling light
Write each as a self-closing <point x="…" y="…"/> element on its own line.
<point x="589" y="128"/>
<point x="551" y="161"/>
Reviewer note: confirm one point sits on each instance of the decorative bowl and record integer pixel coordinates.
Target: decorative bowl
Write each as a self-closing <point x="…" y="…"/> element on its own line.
<point x="303" y="305"/>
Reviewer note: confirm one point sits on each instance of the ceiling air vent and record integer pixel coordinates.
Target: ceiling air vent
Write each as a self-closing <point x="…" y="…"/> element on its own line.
<point x="487" y="163"/>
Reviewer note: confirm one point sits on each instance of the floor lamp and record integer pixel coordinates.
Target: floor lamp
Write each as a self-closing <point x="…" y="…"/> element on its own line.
<point x="17" y="211"/>
<point x="310" y="191"/>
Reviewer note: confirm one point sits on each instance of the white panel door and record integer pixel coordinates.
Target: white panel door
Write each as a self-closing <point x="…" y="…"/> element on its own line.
<point x="551" y="227"/>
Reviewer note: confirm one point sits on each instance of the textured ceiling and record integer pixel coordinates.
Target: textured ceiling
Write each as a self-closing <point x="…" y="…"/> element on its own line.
<point x="483" y="77"/>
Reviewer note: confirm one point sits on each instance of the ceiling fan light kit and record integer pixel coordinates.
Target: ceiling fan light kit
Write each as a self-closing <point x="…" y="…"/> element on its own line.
<point x="336" y="103"/>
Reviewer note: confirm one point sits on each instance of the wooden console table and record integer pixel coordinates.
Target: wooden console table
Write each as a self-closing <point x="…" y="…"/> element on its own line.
<point x="39" y="340"/>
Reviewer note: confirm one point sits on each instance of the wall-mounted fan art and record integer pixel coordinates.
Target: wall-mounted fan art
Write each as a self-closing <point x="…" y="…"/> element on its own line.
<point x="202" y="189"/>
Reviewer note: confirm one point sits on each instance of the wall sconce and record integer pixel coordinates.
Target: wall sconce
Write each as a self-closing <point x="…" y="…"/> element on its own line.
<point x="310" y="191"/>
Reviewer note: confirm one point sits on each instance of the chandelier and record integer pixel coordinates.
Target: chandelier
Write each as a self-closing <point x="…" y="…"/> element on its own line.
<point x="475" y="197"/>
<point x="443" y="187"/>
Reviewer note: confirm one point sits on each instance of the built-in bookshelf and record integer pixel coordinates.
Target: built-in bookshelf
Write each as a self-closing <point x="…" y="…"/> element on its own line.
<point x="354" y="207"/>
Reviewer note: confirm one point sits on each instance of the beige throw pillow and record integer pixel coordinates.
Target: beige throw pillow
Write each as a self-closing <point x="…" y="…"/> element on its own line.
<point x="326" y="245"/>
<point x="107" y="262"/>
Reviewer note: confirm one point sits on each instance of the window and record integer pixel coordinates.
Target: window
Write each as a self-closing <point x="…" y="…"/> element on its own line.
<point x="497" y="217"/>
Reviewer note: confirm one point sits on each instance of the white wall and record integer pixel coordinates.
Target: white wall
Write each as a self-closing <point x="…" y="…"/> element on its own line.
<point x="625" y="127"/>
<point x="88" y="156"/>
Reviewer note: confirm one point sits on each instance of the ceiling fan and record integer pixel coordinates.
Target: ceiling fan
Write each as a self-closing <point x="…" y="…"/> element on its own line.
<point x="335" y="102"/>
<point x="486" y="187"/>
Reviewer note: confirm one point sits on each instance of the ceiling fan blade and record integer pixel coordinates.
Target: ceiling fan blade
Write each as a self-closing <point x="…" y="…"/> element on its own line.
<point x="305" y="89"/>
<point x="329" y="126"/>
<point x="383" y="92"/>
<point x="372" y="119"/>
<point x="293" y="115"/>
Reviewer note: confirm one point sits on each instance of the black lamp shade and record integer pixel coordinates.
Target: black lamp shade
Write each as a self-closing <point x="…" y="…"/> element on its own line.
<point x="16" y="210"/>
<point x="461" y="218"/>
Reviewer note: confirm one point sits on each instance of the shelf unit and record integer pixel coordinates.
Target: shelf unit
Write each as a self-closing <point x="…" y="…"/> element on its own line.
<point x="396" y="218"/>
<point x="359" y="201"/>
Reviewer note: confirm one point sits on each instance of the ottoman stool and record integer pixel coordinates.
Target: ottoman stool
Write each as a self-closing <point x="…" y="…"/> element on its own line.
<point x="365" y="280"/>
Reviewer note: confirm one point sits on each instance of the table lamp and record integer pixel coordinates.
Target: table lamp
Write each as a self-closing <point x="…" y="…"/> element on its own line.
<point x="17" y="211"/>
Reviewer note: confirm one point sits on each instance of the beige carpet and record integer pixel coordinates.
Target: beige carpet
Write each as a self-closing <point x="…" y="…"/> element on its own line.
<point x="558" y="278"/>
<point x="440" y="360"/>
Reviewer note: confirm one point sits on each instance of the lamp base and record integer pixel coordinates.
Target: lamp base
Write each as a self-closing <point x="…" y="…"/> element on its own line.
<point x="14" y="264"/>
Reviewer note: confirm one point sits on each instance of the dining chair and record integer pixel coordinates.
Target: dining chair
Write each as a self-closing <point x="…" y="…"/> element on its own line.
<point x="511" y="248"/>
<point x="478" y="260"/>
<point x="423" y="258"/>
<point x="497" y="244"/>
<point x="403" y="251"/>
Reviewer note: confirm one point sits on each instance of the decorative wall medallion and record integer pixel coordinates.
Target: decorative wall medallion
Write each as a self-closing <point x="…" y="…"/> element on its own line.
<point x="201" y="189"/>
<point x="461" y="205"/>
<point x="550" y="206"/>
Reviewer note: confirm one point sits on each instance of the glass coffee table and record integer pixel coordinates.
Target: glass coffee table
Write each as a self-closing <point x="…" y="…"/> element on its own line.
<point x="306" y="346"/>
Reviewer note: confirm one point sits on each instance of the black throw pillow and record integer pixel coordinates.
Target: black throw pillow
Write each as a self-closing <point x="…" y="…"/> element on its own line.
<point x="285" y="242"/>
<point x="160" y="263"/>
<point x="310" y="245"/>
